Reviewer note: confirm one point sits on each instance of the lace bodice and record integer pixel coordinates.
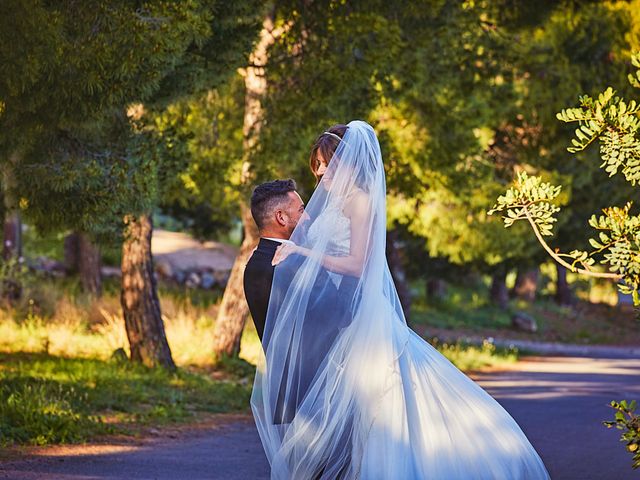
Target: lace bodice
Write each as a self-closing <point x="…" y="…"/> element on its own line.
<point x="333" y="223"/>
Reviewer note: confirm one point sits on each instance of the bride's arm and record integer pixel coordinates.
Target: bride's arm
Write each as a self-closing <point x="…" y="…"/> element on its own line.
<point x="358" y="211"/>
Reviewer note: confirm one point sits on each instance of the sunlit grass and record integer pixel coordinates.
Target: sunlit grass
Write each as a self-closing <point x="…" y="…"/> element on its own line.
<point x="189" y="333"/>
<point x="59" y="383"/>
<point x="471" y="357"/>
<point x="70" y="333"/>
<point x="46" y="399"/>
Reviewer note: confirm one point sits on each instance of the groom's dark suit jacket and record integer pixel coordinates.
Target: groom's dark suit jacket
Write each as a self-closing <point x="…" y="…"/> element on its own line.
<point x="258" y="281"/>
<point x="258" y="277"/>
<point x="319" y="329"/>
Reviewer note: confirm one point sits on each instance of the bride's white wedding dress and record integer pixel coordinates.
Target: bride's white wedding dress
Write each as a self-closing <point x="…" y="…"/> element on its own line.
<point x="384" y="404"/>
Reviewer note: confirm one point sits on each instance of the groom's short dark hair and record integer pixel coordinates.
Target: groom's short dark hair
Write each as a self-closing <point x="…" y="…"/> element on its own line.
<point x="266" y="198"/>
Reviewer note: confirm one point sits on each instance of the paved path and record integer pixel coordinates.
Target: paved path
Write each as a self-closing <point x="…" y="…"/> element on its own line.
<point x="560" y="403"/>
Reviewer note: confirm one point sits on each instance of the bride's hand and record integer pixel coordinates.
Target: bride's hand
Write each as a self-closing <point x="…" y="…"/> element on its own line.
<point x="283" y="251"/>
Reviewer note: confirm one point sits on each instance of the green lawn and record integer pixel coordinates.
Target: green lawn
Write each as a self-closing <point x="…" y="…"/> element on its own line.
<point x="46" y="399"/>
<point x="466" y="310"/>
<point x="58" y="383"/>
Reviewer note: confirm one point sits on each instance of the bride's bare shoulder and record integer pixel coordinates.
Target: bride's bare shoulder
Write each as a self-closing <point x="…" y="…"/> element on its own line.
<point x="357" y="201"/>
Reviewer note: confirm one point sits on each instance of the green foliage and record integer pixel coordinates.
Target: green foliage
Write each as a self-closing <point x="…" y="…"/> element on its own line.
<point x="71" y="113"/>
<point x="471" y="357"/>
<point x="561" y="49"/>
<point x="530" y="197"/>
<point x="634" y="80"/>
<point x="46" y="399"/>
<point x="79" y="60"/>
<point x="619" y="235"/>
<point x="627" y="421"/>
<point x="329" y="65"/>
<point x="352" y="44"/>
<point x="452" y="93"/>
<point x="615" y="124"/>
<point x="199" y="141"/>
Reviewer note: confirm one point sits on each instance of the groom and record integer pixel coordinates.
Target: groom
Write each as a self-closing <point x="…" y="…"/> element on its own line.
<point x="276" y="208"/>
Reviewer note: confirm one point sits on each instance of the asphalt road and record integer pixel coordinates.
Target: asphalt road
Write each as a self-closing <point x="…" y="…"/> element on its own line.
<point x="559" y="402"/>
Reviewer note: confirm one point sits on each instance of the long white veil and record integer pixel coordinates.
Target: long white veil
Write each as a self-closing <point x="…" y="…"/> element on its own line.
<point x="346" y="390"/>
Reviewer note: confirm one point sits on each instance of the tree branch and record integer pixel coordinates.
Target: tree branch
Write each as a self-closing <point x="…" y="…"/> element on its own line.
<point x="559" y="259"/>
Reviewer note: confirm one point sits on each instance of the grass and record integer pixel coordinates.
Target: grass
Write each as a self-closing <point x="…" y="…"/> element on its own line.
<point x="471" y="357"/>
<point x="466" y="311"/>
<point x="60" y="384"/>
<point x="48" y="399"/>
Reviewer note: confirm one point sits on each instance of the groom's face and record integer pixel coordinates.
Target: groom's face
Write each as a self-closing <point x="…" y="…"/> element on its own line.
<point x="293" y="213"/>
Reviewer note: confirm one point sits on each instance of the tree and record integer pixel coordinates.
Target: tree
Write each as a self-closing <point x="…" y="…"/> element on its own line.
<point x="344" y="41"/>
<point x="82" y="256"/>
<point x="443" y="123"/>
<point x="81" y="146"/>
<point x="615" y="124"/>
<point x="233" y="309"/>
<point x="574" y="47"/>
<point x="472" y="107"/>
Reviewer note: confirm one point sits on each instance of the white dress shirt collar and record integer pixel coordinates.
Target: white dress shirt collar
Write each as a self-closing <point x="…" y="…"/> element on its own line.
<point x="279" y="240"/>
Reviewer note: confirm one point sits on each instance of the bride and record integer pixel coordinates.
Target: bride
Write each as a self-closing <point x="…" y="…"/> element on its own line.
<point x="380" y="403"/>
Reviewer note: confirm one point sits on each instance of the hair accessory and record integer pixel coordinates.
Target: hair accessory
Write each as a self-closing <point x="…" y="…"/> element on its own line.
<point x="332" y="134"/>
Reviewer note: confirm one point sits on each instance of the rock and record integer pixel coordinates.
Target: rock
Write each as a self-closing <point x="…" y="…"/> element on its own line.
<point x="50" y="266"/>
<point x="119" y="355"/>
<point x="207" y="280"/>
<point x="109" y="272"/>
<point x="193" y="280"/>
<point x="179" y="276"/>
<point x="164" y="269"/>
<point x="524" y="322"/>
<point x="222" y="277"/>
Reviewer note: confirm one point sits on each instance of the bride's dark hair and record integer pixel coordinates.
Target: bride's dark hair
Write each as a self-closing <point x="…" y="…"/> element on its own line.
<point x="326" y="146"/>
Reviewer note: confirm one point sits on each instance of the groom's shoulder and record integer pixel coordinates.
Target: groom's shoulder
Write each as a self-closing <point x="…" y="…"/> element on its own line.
<point x="262" y="255"/>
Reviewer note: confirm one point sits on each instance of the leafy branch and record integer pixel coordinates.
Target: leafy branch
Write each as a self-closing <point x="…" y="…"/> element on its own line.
<point x="530" y="199"/>
<point x="615" y="124"/>
<point x="627" y="420"/>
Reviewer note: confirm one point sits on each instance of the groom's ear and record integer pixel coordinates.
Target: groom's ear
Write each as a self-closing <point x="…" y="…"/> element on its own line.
<point x="279" y="215"/>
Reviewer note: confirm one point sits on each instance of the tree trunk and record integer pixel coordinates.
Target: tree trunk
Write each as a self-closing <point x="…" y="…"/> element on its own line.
<point x="139" y="298"/>
<point x="563" y="296"/>
<point x="12" y="232"/>
<point x="71" y="252"/>
<point x="397" y="273"/>
<point x="436" y="288"/>
<point x="90" y="263"/>
<point x="526" y="284"/>
<point x="498" y="293"/>
<point x="234" y="311"/>
<point x="82" y="256"/>
<point x="12" y="235"/>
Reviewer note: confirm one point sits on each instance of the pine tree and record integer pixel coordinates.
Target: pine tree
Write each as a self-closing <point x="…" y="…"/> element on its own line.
<point x="70" y="119"/>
